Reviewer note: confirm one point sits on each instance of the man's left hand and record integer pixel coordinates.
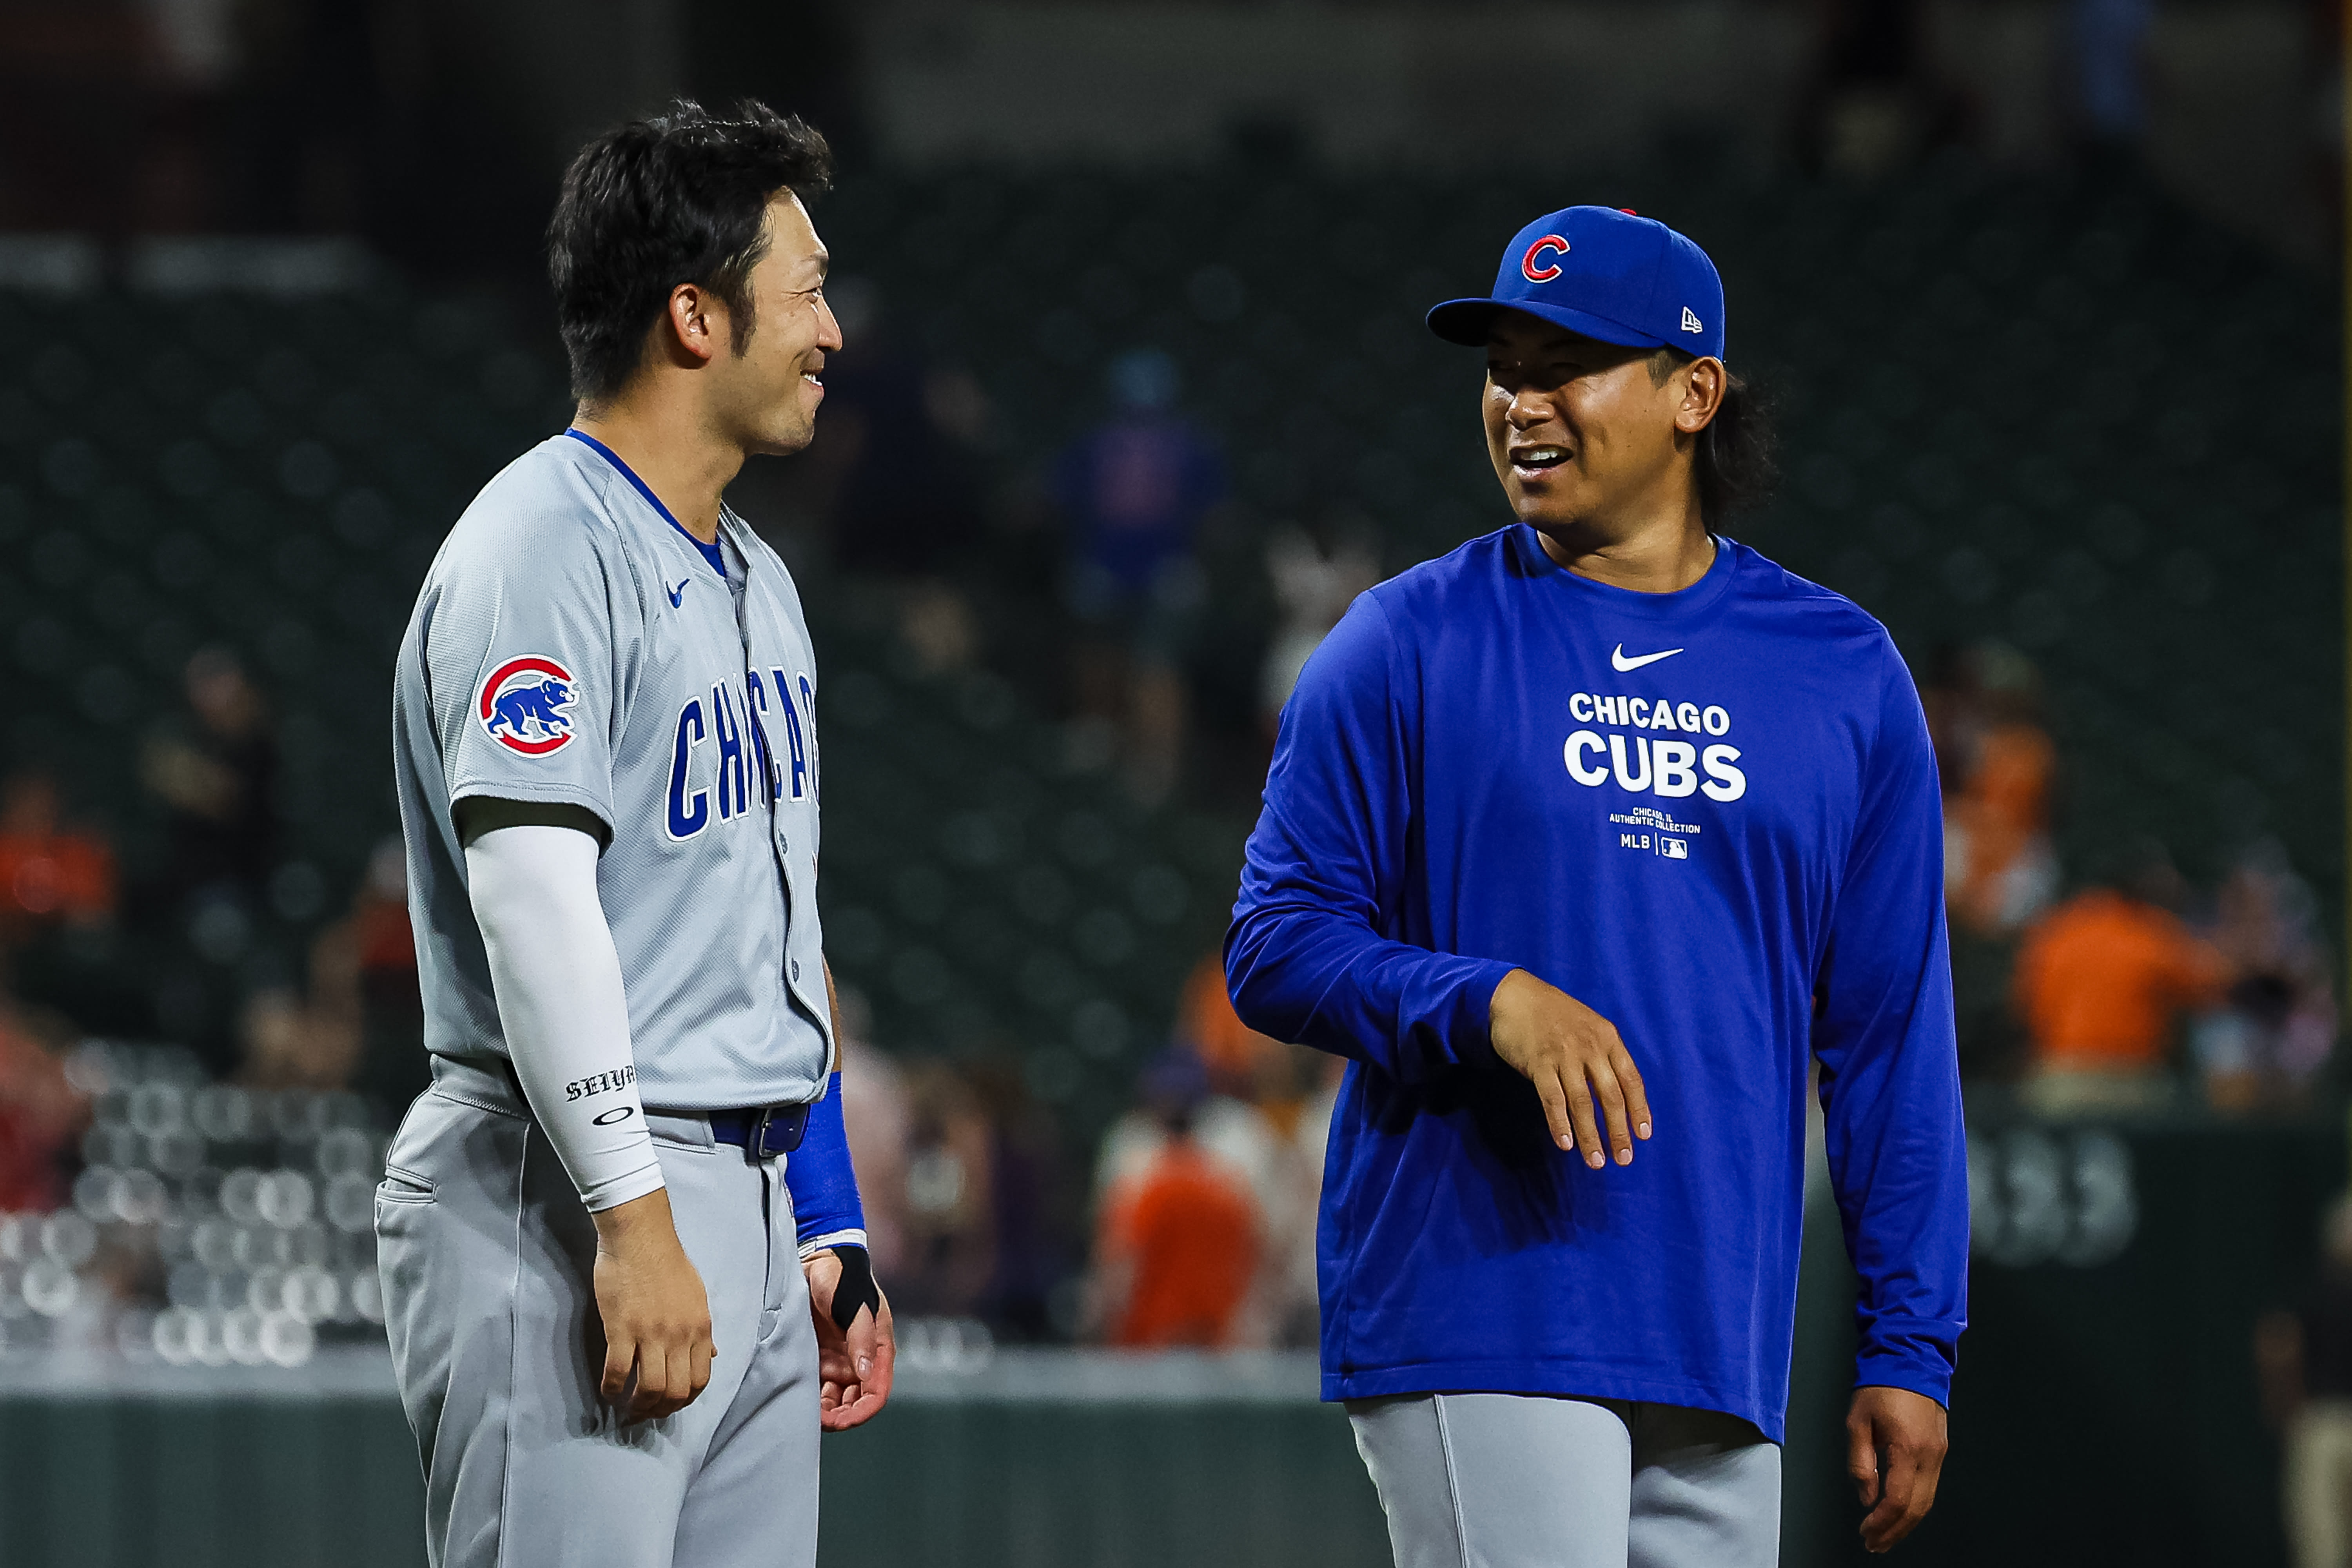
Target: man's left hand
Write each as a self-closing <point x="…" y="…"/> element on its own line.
<point x="1895" y="1441"/>
<point x="853" y="1365"/>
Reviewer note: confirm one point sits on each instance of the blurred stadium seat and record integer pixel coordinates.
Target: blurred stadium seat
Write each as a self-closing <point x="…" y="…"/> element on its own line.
<point x="2017" y="408"/>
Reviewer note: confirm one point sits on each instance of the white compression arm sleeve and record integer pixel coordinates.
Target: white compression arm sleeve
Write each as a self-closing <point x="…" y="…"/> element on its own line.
<point x="558" y="982"/>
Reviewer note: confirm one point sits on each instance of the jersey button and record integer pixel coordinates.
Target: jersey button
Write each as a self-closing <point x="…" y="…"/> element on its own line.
<point x="796" y="969"/>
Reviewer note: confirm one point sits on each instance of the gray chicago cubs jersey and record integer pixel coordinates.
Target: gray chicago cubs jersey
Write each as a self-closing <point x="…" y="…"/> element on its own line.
<point x="573" y="643"/>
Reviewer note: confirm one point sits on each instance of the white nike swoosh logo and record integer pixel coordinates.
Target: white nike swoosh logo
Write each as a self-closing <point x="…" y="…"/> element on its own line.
<point x="1627" y="665"/>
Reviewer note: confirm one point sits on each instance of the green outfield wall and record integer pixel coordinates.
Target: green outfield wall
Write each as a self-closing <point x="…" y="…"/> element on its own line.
<point x="2106" y="1412"/>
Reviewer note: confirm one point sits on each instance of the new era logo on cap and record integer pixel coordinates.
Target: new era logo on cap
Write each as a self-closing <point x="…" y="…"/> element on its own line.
<point x="1603" y="272"/>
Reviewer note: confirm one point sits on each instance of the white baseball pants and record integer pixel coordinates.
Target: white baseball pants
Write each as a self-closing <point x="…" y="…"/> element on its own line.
<point x="486" y="1254"/>
<point x="1510" y="1480"/>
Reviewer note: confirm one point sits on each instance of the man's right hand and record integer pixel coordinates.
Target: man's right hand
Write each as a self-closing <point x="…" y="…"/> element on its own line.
<point x="1574" y="1057"/>
<point x="656" y="1316"/>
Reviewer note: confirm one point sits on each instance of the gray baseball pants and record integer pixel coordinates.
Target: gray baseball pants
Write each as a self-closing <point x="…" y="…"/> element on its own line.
<point x="486" y="1253"/>
<point x="1511" y="1480"/>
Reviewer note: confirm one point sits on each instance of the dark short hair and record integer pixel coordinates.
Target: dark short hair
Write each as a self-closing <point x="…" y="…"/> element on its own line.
<point x="676" y="197"/>
<point x="1737" y="459"/>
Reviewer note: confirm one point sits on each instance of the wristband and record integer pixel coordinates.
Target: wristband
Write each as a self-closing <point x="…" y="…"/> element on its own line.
<point x="823" y="1182"/>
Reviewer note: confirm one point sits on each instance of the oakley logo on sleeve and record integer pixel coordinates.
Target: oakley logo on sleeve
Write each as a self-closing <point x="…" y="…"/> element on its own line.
<point x="525" y="706"/>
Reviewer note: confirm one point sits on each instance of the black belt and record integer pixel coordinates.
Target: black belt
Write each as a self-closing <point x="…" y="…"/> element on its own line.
<point x="761" y="1134"/>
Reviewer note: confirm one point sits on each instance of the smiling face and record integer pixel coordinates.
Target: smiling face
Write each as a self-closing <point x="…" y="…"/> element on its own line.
<point x="1593" y="438"/>
<point x="767" y="392"/>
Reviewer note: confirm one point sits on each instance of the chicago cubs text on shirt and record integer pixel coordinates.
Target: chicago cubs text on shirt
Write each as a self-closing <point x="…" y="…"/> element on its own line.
<point x="1670" y="768"/>
<point x="731" y="724"/>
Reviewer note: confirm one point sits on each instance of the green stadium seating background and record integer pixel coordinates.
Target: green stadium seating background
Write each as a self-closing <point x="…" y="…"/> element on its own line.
<point x="2065" y="414"/>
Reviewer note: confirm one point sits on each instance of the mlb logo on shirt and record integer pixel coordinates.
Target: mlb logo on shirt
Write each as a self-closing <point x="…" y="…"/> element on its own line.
<point x="524" y="705"/>
<point x="1674" y="849"/>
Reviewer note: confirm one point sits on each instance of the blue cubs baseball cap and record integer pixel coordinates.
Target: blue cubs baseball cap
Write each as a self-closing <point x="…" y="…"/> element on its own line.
<point x="1606" y="273"/>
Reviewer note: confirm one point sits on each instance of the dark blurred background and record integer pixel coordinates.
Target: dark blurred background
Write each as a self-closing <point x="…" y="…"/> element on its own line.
<point x="1136" y="398"/>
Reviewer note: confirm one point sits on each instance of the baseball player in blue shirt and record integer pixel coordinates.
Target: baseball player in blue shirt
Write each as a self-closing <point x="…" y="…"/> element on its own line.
<point x="1594" y="834"/>
<point x="623" y="1262"/>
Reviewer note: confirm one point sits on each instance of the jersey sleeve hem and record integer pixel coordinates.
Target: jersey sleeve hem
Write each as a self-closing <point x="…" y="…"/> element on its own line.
<point x="540" y="791"/>
<point x="1914" y="1354"/>
<point x="1470" y="1037"/>
<point x="1904" y="1372"/>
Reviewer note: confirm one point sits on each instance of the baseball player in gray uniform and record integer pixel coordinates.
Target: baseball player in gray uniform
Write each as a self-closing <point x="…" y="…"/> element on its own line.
<point x="624" y="1265"/>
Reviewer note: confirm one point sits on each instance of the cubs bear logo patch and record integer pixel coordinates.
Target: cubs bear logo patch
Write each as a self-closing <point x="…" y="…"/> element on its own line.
<point x="525" y="706"/>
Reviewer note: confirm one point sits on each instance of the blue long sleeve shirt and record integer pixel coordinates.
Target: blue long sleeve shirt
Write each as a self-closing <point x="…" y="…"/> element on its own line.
<point x="1712" y="816"/>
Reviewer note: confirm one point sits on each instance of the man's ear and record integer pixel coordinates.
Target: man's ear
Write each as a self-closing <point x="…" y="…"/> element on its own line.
<point x="698" y="320"/>
<point x="1703" y="382"/>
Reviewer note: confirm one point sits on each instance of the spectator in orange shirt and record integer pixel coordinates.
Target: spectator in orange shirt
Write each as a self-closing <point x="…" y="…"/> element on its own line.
<point x="1235" y="1054"/>
<point x="47" y="872"/>
<point x="1177" y="1251"/>
<point x="1283" y="1088"/>
<point x="2100" y="984"/>
<point x="41" y="1111"/>
<point x="1997" y="825"/>
<point x="1998" y="768"/>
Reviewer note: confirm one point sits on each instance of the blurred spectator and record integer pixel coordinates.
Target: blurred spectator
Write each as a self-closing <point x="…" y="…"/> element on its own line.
<point x="1027" y="1195"/>
<point x="1316" y="575"/>
<point x="1133" y="491"/>
<point x="48" y="871"/>
<point x="361" y="1022"/>
<point x="875" y="1110"/>
<point x="1998" y="764"/>
<point x="2323" y="117"/>
<point x="393" y="1068"/>
<point x="2100" y="984"/>
<point x="1872" y="108"/>
<point x="2303" y="1364"/>
<point x="949" y="1257"/>
<point x="41" y="1113"/>
<point x="1227" y="1127"/>
<point x="288" y="1043"/>
<point x="310" y="74"/>
<point x="954" y="1163"/>
<point x="1295" y="1280"/>
<point x="1264" y="1097"/>
<point x="902" y="440"/>
<point x="1178" y="1237"/>
<point x="2268" y="1042"/>
<point x="2109" y="40"/>
<point x="216" y="775"/>
<point x="1206" y="1025"/>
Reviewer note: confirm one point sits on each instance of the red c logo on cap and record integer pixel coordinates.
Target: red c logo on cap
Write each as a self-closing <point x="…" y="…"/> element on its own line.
<point x="1545" y="274"/>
